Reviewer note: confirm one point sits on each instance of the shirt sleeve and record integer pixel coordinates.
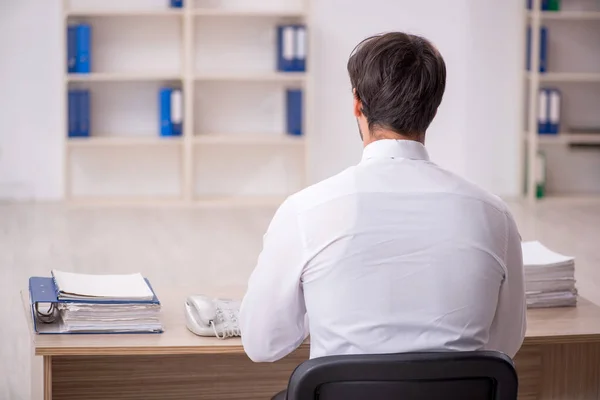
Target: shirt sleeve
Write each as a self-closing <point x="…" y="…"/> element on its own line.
<point x="272" y="314"/>
<point x="508" y="328"/>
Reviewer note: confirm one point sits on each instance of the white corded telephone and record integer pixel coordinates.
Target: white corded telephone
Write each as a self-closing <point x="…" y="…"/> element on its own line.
<point x="206" y="316"/>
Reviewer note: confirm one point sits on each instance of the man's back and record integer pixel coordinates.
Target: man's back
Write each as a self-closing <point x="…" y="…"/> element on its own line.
<point x="393" y="255"/>
<point x="405" y="256"/>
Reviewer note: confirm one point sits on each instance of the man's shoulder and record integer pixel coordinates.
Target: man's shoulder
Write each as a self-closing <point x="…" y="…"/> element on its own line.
<point x="470" y="190"/>
<point x="328" y="189"/>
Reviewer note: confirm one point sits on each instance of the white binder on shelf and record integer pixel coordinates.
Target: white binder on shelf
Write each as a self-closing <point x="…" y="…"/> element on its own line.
<point x="177" y="112"/>
<point x="554" y="111"/>
<point x="300" y="49"/>
<point x="543" y="120"/>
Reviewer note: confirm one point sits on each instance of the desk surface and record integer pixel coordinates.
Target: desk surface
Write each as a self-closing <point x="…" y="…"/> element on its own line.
<point x="558" y="325"/>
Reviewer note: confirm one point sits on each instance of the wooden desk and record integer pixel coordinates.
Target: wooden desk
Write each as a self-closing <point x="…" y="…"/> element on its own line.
<point x="560" y="359"/>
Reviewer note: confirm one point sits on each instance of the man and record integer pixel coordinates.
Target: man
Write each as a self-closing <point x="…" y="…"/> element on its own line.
<point x="395" y="254"/>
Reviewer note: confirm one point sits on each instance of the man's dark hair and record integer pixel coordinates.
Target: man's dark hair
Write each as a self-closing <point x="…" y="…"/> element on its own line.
<point x="400" y="80"/>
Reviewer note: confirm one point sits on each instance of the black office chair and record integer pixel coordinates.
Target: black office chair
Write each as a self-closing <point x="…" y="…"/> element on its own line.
<point x="482" y="375"/>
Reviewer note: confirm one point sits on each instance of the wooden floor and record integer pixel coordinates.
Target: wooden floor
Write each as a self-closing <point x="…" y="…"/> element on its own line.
<point x="184" y="247"/>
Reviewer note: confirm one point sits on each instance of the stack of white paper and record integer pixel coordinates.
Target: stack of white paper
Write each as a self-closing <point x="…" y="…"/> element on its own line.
<point x="72" y="286"/>
<point x="549" y="277"/>
<point x="106" y="303"/>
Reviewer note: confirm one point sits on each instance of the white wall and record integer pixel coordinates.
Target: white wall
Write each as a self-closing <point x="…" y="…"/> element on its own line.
<point x="468" y="136"/>
<point x="30" y="96"/>
<point x="476" y="130"/>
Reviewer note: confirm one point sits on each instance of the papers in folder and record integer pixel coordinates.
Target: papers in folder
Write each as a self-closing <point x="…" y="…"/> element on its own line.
<point x="71" y="286"/>
<point x="549" y="277"/>
<point x="110" y="318"/>
<point x="80" y="303"/>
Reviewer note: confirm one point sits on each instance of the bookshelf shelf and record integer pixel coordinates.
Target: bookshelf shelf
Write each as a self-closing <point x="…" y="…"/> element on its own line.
<point x="109" y="141"/>
<point x="567" y="15"/>
<point x="566" y="46"/>
<point x="250" y="13"/>
<point x="123" y="77"/>
<point x="566" y="138"/>
<point x="569" y="77"/>
<point x="223" y="60"/>
<point x="123" y="13"/>
<point x="252" y="77"/>
<point x="244" y="139"/>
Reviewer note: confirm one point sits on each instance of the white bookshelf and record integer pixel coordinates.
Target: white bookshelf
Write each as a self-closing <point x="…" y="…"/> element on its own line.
<point x="252" y="77"/>
<point x="122" y="13"/>
<point x="249" y="13"/>
<point x="123" y="77"/>
<point x="573" y="68"/>
<point x="108" y="141"/>
<point x="567" y="15"/>
<point x="249" y="139"/>
<point x="566" y="138"/>
<point x="234" y="151"/>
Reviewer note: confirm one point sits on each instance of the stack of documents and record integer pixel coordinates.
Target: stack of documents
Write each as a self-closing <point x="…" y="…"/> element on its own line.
<point x="80" y="303"/>
<point x="549" y="277"/>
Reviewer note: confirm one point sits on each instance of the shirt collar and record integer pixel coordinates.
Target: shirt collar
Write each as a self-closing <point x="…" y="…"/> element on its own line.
<point x="391" y="148"/>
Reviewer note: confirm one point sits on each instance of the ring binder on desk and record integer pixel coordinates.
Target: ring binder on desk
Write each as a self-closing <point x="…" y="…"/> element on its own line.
<point x="43" y="293"/>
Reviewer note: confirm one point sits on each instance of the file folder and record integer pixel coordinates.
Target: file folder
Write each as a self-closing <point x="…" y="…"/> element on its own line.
<point x="554" y="111"/>
<point x="83" y="48"/>
<point x="71" y="48"/>
<point x="543" y="105"/>
<point x="73" y="123"/>
<point x="553" y="5"/>
<point x="44" y="306"/>
<point x="546" y="4"/>
<point x="285" y="48"/>
<point x="543" y="49"/>
<point x="540" y="175"/>
<point x="300" y="48"/>
<point x="84" y="113"/>
<point x="164" y="113"/>
<point x="294" y="111"/>
<point x="176" y="112"/>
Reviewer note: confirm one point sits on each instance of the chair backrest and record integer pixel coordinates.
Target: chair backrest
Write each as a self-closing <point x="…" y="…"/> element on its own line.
<point x="483" y="375"/>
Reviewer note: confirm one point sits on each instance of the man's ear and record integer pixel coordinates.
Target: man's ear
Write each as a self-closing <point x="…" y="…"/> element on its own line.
<point x="356" y="105"/>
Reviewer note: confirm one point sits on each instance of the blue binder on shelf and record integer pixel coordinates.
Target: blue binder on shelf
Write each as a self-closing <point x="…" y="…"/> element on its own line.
<point x="554" y="106"/>
<point x="286" y="37"/>
<point x="176" y="3"/>
<point x="543" y="49"/>
<point x="83" y="117"/>
<point x="43" y="298"/>
<point x="294" y="111"/>
<point x="543" y="110"/>
<point x="83" y="49"/>
<point x="164" y="112"/>
<point x="300" y="48"/>
<point x="73" y="111"/>
<point x="71" y="48"/>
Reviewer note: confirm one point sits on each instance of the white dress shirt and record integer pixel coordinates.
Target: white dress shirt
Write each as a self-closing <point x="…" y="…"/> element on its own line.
<point x="393" y="255"/>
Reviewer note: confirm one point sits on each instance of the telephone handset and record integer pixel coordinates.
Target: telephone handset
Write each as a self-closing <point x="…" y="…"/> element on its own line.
<point x="206" y="316"/>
